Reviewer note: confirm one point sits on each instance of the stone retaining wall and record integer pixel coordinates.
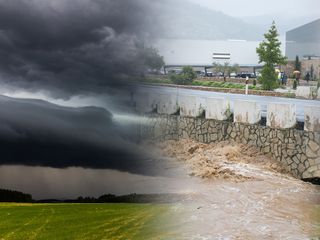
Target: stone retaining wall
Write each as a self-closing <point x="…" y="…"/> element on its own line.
<point x="298" y="150"/>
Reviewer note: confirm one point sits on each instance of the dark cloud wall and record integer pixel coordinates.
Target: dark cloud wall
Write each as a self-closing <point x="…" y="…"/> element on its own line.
<point x="72" y="47"/>
<point x="38" y="133"/>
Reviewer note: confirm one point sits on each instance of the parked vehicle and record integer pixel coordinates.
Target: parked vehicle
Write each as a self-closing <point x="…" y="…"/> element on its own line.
<point x="233" y="75"/>
<point x="245" y="75"/>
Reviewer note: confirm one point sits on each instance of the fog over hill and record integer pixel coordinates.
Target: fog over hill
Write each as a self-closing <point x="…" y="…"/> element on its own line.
<point x="284" y="23"/>
<point x="186" y="20"/>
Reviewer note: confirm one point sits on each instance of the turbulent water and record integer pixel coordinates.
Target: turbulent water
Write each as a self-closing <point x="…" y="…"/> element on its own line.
<point x="235" y="192"/>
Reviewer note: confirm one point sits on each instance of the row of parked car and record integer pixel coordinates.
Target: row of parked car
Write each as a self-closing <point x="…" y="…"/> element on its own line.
<point x="232" y="75"/>
<point x="217" y="74"/>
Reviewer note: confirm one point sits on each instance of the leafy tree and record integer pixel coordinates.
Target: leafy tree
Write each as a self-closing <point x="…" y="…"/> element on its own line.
<point x="186" y="77"/>
<point x="270" y="54"/>
<point x="225" y="68"/>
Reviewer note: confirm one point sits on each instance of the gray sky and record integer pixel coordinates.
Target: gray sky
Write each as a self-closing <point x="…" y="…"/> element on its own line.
<point x="290" y="8"/>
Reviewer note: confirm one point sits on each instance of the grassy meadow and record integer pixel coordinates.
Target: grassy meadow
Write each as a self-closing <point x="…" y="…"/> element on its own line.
<point x="84" y="221"/>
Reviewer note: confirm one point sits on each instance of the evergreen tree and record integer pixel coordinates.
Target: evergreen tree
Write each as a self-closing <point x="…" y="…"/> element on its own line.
<point x="312" y="72"/>
<point x="297" y="64"/>
<point x="270" y="54"/>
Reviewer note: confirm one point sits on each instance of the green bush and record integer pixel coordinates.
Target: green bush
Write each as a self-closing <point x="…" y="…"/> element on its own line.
<point x="185" y="78"/>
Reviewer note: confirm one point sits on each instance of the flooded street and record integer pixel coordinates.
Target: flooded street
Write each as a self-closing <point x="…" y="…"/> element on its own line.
<point x="236" y="193"/>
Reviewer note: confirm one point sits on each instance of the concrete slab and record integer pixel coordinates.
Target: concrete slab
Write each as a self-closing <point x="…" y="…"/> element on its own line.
<point x="168" y="104"/>
<point x="312" y="118"/>
<point x="304" y="92"/>
<point x="281" y="116"/>
<point x="248" y="112"/>
<point x="218" y="109"/>
<point x="191" y="106"/>
<point x="145" y="102"/>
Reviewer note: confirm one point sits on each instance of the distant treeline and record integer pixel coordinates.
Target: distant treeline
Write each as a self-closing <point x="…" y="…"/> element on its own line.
<point x="19" y="197"/>
<point x="131" y="198"/>
<point x="14" y="196"/>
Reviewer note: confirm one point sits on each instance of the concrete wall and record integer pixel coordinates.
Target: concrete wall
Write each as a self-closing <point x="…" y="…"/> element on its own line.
<point x="218" y="109"/>
<point x="167" y="104"/>
<point x="298" y="150"/>
<point x="145" y="102"/>
<point x="282" y="116"/>
<point x="247" y="112"/>
<point x="312" y="119"/>
<point x="304" y="92"/>
<point x="191" y="106"/>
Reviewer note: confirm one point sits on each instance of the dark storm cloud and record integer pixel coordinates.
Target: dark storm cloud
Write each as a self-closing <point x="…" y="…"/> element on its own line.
<point x="71" y="47"/>
<point x="37" y="133"/>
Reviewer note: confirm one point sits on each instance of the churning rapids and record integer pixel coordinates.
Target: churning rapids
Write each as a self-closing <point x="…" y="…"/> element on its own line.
<point x="235" y="192"/>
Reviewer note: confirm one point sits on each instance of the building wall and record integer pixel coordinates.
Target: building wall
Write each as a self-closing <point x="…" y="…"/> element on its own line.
<point x="304" y="40"/>
<point x="200" y="52"/>
<point x="306" y="67"/>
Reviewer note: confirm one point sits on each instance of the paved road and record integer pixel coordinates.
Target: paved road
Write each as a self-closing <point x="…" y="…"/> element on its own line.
<point x="262" y="100"/>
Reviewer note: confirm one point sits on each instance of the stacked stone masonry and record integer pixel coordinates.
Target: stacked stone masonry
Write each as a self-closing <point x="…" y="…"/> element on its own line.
<point x="298" y="150"/>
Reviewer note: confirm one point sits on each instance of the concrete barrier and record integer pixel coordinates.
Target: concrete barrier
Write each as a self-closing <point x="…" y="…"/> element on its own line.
<point x="191" y="106"/>
<point x="217" y="109"/>
<point x="304" y="92"/>
<point x="281" y="116"/>
<point x="312" y="119"/>
<point x="145" y="102"/>
<point x="168" y="104"/>
<point x="247" y="112"/>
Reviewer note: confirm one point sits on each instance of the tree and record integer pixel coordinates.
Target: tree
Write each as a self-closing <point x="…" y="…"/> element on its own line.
<point x="186" y="77"/>
<point x="225" y="68"/>
<point x="312" y="72"/>
<point x="270" y="54"/>
<point x="297" y="64"/>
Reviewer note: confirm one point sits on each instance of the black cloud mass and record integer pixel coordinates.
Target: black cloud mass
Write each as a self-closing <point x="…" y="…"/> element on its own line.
<point x="69" y="48"/>
<point x="72" y="47"/>
<point x="38" y="133"/>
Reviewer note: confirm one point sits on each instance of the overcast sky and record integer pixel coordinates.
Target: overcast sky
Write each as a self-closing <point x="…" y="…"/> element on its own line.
<point x="291" y="8"/>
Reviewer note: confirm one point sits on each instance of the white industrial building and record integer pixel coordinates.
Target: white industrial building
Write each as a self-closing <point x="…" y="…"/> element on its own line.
<point x="200" y="52"/>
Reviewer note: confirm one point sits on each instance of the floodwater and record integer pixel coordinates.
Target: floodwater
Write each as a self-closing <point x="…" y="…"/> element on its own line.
<point x="237" y="193"/>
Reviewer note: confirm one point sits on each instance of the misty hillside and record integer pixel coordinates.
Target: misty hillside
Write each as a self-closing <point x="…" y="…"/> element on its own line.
<point x="185" y="20"/>
<point x="284" y="23"/>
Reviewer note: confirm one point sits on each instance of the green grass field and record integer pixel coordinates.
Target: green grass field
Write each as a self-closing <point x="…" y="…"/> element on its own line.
<point x="84" y="221"/>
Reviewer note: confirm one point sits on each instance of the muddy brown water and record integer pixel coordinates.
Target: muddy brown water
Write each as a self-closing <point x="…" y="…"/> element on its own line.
<point x="242" y="195"/>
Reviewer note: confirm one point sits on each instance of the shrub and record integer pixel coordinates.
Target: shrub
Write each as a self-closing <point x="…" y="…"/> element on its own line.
<point x="254" y="82"/>
<point x="185" y="78"/>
